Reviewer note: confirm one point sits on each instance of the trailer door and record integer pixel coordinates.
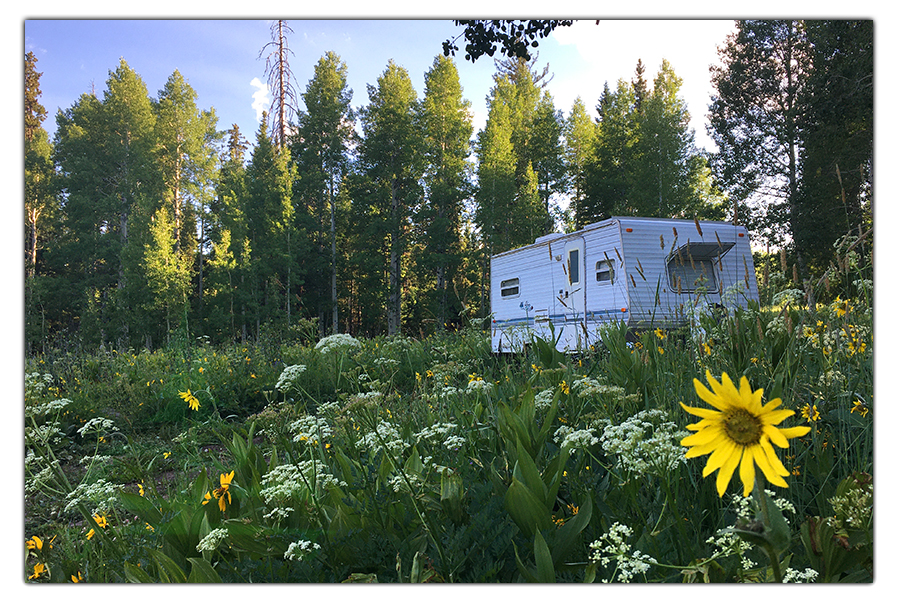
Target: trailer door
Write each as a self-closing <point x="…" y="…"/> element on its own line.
<point x="571" y="300"/>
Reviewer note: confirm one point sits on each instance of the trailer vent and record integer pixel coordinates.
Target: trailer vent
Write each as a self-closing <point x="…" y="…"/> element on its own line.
<point x="509" y="288"/>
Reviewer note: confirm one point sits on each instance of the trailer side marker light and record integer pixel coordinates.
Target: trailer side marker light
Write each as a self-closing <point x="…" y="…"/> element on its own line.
<point x="624" y="309"/>
<point x="740" y="235"/>
<point x="628" y="230"/>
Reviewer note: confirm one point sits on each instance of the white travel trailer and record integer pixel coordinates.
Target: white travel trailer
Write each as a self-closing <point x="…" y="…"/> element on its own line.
<point x="643" y="272"/>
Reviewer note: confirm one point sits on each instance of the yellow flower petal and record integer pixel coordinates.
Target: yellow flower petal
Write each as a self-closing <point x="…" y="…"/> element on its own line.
<point x="795" y="431"/>
<point x="704" y="413"/>
<point x="775" y="436"/>
<point x="763" y="462"/>
<point x="727" y="470"/>
<point x="748" y="471"/>
<point x="720" y="456"/>
<point x="702" y="437"/>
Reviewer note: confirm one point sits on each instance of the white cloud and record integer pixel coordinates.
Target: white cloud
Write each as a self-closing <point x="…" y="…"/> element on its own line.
<point x="261" y="99"/>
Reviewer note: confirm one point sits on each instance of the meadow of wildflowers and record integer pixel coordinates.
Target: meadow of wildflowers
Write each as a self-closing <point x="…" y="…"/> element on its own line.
<point x="402" y="460"/>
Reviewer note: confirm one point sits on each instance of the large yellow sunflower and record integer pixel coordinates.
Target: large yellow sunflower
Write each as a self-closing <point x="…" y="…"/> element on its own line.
<point x="741" y="432"/>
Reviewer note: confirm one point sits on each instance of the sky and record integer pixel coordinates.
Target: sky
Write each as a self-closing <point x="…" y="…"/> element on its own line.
<point x="221" y="59"/>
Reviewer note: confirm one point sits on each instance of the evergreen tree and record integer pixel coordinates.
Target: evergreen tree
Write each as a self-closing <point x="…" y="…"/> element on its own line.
<point x="35" y="113"/>
<point x="40" y="201"/>
<point x="229" y="266"/>
<point x="447" y="128"/>
<point x="391" y="158"/>
<point x="662" y="185"/>
<point x="608" y="171"/>
<point x="644" y="161"/>
<point x="755" y="118"/>
<point x="497" y="177"/>
<point x="269" y="213"/>
<point x="547" y="156"/>
<point x="322" y="150"/>
<point x="185" y="147"/>
<point x="579" y="134"/>
<point x="836" y="161"/>
<point x="104" y="152"/>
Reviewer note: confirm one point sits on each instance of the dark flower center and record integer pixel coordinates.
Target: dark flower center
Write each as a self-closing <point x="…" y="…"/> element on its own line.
<point x="743" y="427"/>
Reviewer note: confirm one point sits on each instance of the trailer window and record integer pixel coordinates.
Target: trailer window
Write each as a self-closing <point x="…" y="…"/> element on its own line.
<point x="692" y="275"/>
<point x="509" y="288"/>
<point x="573" y="267"/>
<point x="606" y="271"/>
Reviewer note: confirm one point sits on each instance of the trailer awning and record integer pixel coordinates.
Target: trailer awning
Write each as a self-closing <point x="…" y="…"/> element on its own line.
<point x="702" y="250"/>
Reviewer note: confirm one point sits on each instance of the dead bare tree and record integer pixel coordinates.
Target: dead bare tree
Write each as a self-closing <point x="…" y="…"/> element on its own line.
<point x="280" y="80"/>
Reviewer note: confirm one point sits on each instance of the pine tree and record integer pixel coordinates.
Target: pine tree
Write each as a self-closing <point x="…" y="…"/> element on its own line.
<point x="185" y="147"/>
<point x="269" y="214"/>
<point x="447" y="127"/>
<point x="836" y="161"/>
<point x="755" y="122"/>
<point x="608" y="171"/>
<point x="104" y="152"/>
<point x="644" y="160"/>
<point x="229" y="266"/>
<point x="325" y="137"/>
<point x="547" y="156"/>
<point x="579" y="134"/>
<point x="40" y="201"/>
<point x="391" y="158"/>
<point x="35" y="113"/>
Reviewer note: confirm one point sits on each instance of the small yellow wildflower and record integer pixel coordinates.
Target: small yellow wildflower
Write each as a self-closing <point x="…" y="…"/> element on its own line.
<point x="39" y="570"/>
<point x="140" y="489"/>
<point x="809" y="414"/>
<point x="192" y="401"/>
<point x="565" y="387"/>
<point x="77" y="578"/>
<point x="101" y="522"/>
<point x="36" y="543"/>
<point x="660" y="333"/>
<point x="859" y="407"/>
<point x="221" y="492"/>
<point x="166" y="455"/>
<point x="841" y="307"/>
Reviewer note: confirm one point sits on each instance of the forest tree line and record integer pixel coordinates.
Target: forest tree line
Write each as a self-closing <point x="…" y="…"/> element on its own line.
<point x="144" y="220"/>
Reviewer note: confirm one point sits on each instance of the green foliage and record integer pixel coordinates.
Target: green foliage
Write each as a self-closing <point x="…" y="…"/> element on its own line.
<point x="395" y="459"/>
<point x="644" y="161"/>
<point x="514" y="36"/>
